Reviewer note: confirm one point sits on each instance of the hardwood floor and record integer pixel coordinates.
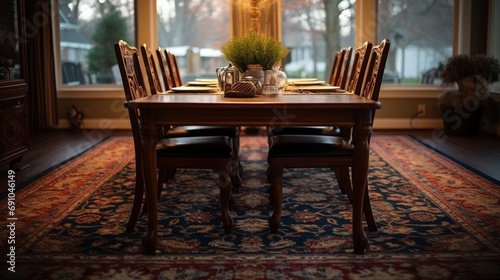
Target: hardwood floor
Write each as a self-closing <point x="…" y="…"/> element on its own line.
<point x="52" y="147"/>
<point x="481" y="152"/>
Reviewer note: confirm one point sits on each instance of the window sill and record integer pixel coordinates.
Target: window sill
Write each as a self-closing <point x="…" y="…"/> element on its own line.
<point x="410" y="92"/>
<point x="113" y="91"/>
<point x="91" y="92"/>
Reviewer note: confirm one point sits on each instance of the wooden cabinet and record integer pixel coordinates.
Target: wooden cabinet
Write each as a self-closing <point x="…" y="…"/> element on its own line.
<point x="14" y="110"/>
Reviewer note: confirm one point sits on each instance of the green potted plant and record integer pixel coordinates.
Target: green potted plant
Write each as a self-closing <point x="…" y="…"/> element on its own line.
<point x="253" y="48"/>
<point x="462" y="108"/>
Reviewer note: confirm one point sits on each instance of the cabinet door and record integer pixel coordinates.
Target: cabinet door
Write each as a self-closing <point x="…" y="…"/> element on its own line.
<point x="14" y="118"/>
<point x="14" y="129"/>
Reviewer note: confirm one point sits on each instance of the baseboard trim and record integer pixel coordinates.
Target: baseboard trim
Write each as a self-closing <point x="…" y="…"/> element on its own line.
<point x="99" y="124"/>
<point x="393" y="123"/>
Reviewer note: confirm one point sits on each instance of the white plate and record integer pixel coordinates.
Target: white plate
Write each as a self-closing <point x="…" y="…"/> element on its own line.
<point x="316" y="88"/>
<point x="209" y="81"/>
<point x="194" y="89"/>
<point x="308" y="83"/>
<point x="202" y="83"/>
<point x="302" y="80"/>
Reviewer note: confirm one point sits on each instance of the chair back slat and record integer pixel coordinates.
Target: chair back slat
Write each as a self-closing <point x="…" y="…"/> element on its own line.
<point x="151" y="70"/>
<point x="167" y="81"/>
<point x="336" y="67"/>
<point x="375" y="70"/>
<point x="130" y="70"/>
<point x="360" y="60"/>
<point x="173" y="68"/>
<point x="342" y="83"/>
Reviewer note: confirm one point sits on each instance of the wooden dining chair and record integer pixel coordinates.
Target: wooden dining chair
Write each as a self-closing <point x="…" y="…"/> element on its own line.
<point x="153" y="76"/>
<point x="344" y="72"/>
<point x="157" y="87"/>
<point x="315" y="151"/>
<point x="173" y="68"/>
<point x="354" y="85"/>
<point x="208" y="152"/>
<point x="338" y="61"/>
<point x="359" y="62"/>
<point x="167" y="80"/>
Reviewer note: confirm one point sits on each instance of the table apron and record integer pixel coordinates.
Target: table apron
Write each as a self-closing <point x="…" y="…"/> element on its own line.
<point x="259" y="117"/>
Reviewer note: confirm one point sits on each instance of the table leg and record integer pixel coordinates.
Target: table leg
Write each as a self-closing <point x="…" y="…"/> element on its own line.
<point x="149" y="169"/>
<point x="361" y="133"/>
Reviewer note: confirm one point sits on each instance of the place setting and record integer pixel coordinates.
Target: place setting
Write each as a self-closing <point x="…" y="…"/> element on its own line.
<point x="198" y="86"/>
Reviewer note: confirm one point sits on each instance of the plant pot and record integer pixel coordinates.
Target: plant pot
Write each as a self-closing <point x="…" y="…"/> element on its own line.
<point x="460" y="122"/>
<point x="462" y="109"/>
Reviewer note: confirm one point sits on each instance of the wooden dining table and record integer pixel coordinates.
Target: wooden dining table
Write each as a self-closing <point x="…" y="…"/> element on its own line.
<point x="333" y="109"/>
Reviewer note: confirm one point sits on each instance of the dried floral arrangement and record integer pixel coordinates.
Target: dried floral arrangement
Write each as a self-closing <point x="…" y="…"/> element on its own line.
<point x="460" y="67"/>
<point x="253" y="48"/>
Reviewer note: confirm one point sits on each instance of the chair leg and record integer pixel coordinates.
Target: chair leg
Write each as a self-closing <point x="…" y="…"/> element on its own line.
<point x="276" y="197"/>
<point x="236" y="150"/>
<point x="163" y="176"/>
<point x="346" y="182"/>
<point x="367" y="210"/>
<point x="235" y="174"/>
<point x="225" y="197"/>
<point x="138" y="199"/>
<point x="336" y="170"/>
<point x="170" y="173"/>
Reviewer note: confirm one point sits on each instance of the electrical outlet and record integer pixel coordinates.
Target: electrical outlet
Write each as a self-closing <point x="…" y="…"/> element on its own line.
<point x="421" y="110"/>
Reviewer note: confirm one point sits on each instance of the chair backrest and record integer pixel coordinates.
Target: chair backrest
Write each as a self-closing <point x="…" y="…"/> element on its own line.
<point x="336" y="67"/>
<point x="133" y="83"/>
<point x="130" y="70"/>
<point x="346" y="64"/>
<point x="151" y="70"/>
<point x="375" y="70"/>
<point x="173" y="69"/>
<point x="360" y="60"/>
<point x="167" y="81"/>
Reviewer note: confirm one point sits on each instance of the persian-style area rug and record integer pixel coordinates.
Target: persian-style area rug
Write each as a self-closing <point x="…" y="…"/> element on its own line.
<point x="436" y="220"/>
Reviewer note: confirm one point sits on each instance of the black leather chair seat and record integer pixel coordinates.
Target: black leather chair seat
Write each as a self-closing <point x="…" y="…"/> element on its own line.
<point x="308" y="145"/>
<point x="306" y="130"/>
<point x="200" y="130"/>
<point x="199" y="146"/>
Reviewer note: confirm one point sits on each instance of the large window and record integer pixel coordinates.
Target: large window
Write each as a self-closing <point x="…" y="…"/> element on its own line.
<point x="87" y="31"/>
<point x="421" y="34"/>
